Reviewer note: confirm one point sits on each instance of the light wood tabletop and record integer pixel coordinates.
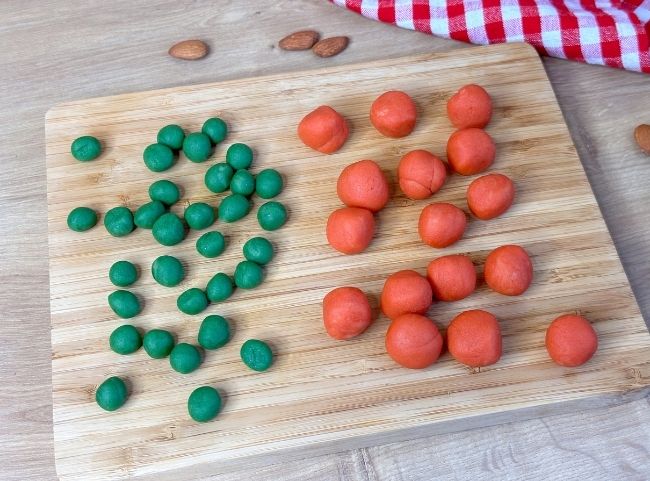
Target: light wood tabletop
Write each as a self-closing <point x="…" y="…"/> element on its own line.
<point x="61" y="51"/>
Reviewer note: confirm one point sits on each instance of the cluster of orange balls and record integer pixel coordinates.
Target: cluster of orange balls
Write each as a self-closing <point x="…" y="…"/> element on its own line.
<point x="413" y="340"/>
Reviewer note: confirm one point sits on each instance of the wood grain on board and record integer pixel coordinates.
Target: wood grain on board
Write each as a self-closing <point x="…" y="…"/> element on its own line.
<point x="322" y="394"/>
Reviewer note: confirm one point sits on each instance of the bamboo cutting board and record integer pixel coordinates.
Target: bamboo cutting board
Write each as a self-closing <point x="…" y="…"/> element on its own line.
<point x="323" y="395"/>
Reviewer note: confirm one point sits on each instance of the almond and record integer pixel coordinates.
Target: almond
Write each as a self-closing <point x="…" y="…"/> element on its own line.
<point x="189" y="50"/>
<point x="328" y="47"/>
<point x="642" y="137"/>
<point x="303" y="40"/>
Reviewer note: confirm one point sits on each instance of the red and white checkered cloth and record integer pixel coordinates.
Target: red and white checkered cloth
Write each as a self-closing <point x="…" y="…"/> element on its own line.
<point x="615" y="33"/>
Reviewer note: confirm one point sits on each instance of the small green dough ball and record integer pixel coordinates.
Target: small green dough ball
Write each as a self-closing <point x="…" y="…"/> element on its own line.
<point x="125" y="339"/>
<point x="214" y="332"/>
<point x="220" y="287"/>
<point x="211" y="244"/>
<point x="158" y="343"/>
<point x="192" y="301"/>
<point x="148" y="214"/>
<point x="158" y="157"/>
<point x="119" y="221"/>
<point x="204" y="404"/>
<point x="234" y="207"/>
<point x="216" y="129"/>
<point x="167" y="271"/>
<point x="256" y="354"/>
<point x="239" y="156"/>
<point x="184" y="358"/>
<point x="217" y="178"/>
<point x="271" y="216"/>
<point x="111" y="394"/>
<point x="197" y="147"/>
<point x="242" y="183"/>
<point x="86" y="148"/>
<point x="172" y="136"/>
<point x="81" y="219"/>
<point x="268" y="183"/>
<point x="164" y="191"/>
<point x="199" y="215"/>
<point x="168" y="230"/>
<point x="258" y="250"/>
<point x="124" y="304"/>
<point x="123" y="273"/>
<point x="248" y="275"/>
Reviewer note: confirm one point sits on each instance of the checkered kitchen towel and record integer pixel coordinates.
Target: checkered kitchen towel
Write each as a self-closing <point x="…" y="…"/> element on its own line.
<point x="615" y="33"/>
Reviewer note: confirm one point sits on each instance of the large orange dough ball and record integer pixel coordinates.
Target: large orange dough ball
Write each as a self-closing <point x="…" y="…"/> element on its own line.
<point x="363" y="184"/>
<point x="346" y="312"/>
<point x="474" y="338"/>
<point x="393" y="114"/>
<point x="421" y="174"/>
<point x="350" y="229"/>
<point x="452" y="277"/>
<point x="508" y="270"/>
<point x="441" y="224"/>
<point x="323" y="129"/>
<point x="490" y="196"/>
<point x="471" y="106"/>
<point x="470" y="151"/>
<point x="413" y="341"/>
<point x="405" y="292"/>
<point x="571" y="340"/>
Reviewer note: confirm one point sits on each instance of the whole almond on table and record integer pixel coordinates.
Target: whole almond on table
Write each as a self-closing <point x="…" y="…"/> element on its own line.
<point x="642" y="137"/>
<point x="189" y="50"/>
<point x="328" y="47"/>
<point x="303" y="40"/>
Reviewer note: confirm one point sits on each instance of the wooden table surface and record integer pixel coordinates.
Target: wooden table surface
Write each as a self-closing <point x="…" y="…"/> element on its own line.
<point x="58" y="51"/>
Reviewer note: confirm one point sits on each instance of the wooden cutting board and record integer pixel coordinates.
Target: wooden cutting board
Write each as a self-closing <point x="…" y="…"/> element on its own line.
<point x="323" y="395"/>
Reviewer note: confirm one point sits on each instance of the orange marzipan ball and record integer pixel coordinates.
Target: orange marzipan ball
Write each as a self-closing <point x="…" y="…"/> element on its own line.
<point x="490" y="196"/>
<point x="470" y="151"/>
<point x="363" y="184"/>
<point x="413" y="341"/>
<point x="508" y="270"/>
<point x="571" y="340"/>
<point x="393" y="114"/>
<point x="471" y="106"/>
<point x="349" y="230"/>
<point x="405" y="292"/>
<point x="452" y="277"/>
<point x="474" y="338"/>
<point x="323" y="129"/>
<point x="421" y="174"/>
<point x="441" y="224"/>
<point x="346" y="312"/>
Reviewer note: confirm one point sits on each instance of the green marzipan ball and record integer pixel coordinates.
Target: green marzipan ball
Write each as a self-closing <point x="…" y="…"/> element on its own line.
<point x="123" y="273"/>
<point x="234" y="207"/>
<point x="204" y="404"/>
<point x="81" y="219"/>
<point x="248" y="275"/>
<point x="158" y="157"/>
<point x="242" y="183"/>
<point x="168" y="229"/>
<point x="211" y="244"/>
<point x="158" y="343"/>
<point x="217" y="178"/>
<point x="268" y="183"/>
<point x="119" y="221"/>
<point x="199" y="215"/>
<point x="164" y="191"/>
<point x="125" y="339"/>
<point x="184" y="358"/>
<point x="111" y="394"/>
<point x="192" y="301"/>
<point x="239" y="156"/>
<point x="167" y="271"/>
<point x="197" y="147"/>
<point x="214" y="332"/>
<point x="216" y="129"/>
<point x="124" y="303"/>
<point x="172" y="136"/>
<point x="86" y="148"/>
<point x="272" y="215"/>
<point x="256" y="354"/>
<point x="148" y="214"/>
<point x="258" y="250"/>
<point x="220" y="287"/>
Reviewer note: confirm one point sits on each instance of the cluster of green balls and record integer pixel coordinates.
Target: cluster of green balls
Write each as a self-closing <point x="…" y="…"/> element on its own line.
<point x="169" y="229"/>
